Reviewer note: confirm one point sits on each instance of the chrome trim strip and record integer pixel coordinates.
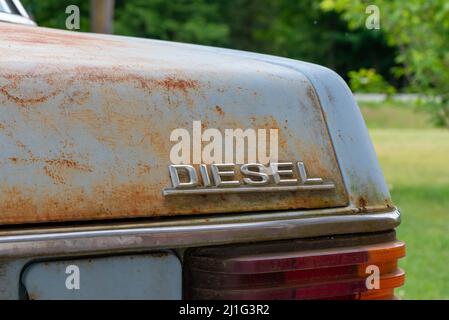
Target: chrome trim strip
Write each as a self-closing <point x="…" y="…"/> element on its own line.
<point x="212" y="190"/>
<point x="159" y="237"/>
<point x="21" y="9"/>
<point x="14" y="18"/>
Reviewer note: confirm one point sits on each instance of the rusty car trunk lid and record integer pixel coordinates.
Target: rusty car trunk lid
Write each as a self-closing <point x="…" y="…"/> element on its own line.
<point x="85" y="125"/>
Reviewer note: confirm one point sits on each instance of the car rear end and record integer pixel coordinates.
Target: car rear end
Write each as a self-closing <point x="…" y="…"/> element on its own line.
<point x="94" y="189"/>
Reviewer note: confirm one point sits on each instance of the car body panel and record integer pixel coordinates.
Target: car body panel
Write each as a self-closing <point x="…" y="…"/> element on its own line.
<point x="86" y="122"/>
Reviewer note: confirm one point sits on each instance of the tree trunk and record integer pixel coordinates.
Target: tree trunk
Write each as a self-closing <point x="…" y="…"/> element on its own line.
<point x="444" y="114"/>
<point x="101" y="15"/>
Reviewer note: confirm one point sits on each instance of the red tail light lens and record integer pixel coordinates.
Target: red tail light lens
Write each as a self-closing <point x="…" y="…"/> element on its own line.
<point x="286" y="271"/>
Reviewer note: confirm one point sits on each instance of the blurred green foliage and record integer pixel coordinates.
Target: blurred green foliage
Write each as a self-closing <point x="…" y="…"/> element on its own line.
<point x="420" y="30"/>
<point x="295" y="29"/>
<point x="185" y="21"/>
<point x="369" y="81"/>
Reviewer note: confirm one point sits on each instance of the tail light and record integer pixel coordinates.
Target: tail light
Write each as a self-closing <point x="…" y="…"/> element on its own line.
<point x="300" y="269"/>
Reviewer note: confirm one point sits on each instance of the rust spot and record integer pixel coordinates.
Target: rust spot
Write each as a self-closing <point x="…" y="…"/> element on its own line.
<point x="68" y="164"/>
<point x="219" y="110"/>
<point x="54" y="175"/>
<point x="143" y="169"/>
<point x="34" y="97"/>
<point x="314" y="98"/>
<point x="271" y="122"/>
<point x="388" y="203"/>
<point x="172" y="83"/>
<point x="54" y="168"/>
<point x="24" y="101"/>
<point x="77" y="98"/>
<point x="362" y="203"/>
<point x="60" y="80"/>
<point x="118" y="75"/>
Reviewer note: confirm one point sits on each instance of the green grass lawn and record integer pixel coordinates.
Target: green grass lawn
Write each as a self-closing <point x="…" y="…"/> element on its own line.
<point x="397" y="115"/>
<point x="415" y="162"/>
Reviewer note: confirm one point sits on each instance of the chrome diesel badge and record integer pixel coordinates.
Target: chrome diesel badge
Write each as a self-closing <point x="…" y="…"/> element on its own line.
<point x="245" y="178"/>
